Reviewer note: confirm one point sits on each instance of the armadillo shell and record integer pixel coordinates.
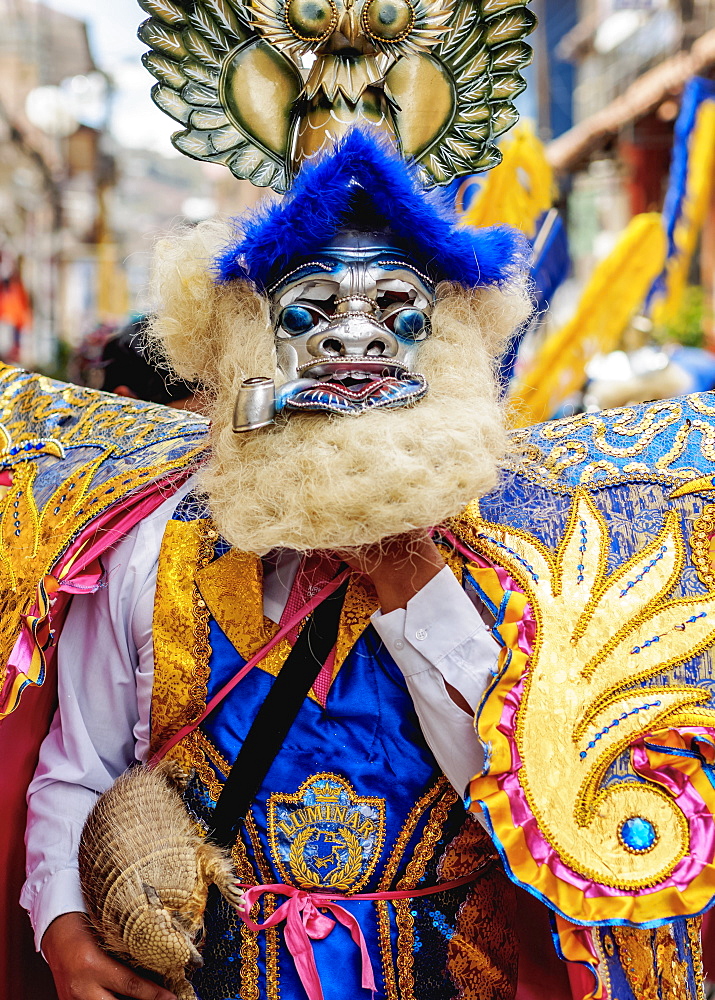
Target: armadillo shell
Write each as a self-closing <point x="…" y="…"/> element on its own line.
<point x="138" y="834"/>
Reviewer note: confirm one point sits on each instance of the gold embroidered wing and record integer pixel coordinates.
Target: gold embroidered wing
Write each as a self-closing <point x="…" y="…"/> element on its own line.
<point x="602" y="676"/>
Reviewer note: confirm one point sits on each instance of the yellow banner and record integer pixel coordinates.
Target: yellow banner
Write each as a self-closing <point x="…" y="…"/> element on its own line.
<point x="701" y="177"/>
<point x="616" y="290"/>
<point x="517" y="191"/>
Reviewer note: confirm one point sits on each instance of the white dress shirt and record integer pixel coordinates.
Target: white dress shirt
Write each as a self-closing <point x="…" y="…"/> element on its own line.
<point x="105" y="675"/>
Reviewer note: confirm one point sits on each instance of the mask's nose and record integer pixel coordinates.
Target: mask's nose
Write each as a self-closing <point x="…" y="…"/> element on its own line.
<point x="357" y="335"/>
<point x="349" y="35"/>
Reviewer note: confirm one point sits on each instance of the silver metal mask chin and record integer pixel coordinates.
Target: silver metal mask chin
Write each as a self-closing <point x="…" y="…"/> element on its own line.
<point x="348" y="326"/>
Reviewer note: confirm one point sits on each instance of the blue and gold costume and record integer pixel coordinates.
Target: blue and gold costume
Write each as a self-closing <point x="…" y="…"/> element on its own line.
<point x="333" y="781"/>
<point x="354" y="801"/>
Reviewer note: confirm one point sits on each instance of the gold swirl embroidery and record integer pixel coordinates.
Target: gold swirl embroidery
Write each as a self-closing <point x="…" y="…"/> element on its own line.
<point x="432" y="832"/>
<point x="700" y="404"/>
<point x="181" y="629"/>
<point x="590" y="470"/>
<point x="202" y="752"/>
<point x="552" y="449"/>
<point x="563" y="456"/>
<point x="244" y="868"/>
<point x="217" y="759"/>
<point x="273" y="987"/>
<point x="250" y="953"/>
<point x="594" y="643"/>
<point x="653" y="419"/>
<point x="677" y="448"/>
<point x="702" y="546"/>
<point x="385" y="938"/>
<point x="405" y="948"/>
<point x="272" y="938"/>
<point x="440" y="787"/>
<point x="694" y="926"/>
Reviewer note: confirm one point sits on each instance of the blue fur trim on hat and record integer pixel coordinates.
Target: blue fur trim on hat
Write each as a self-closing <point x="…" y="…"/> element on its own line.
<point x="271" y="239"/>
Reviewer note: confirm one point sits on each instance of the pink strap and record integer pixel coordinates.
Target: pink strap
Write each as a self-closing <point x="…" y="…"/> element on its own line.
<point x="304" y="922"/>
<point x="458" y="545"/>
<point x="247" y="667"/>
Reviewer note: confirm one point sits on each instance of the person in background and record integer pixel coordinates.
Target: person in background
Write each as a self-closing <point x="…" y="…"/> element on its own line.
<point x="129" y="370"/>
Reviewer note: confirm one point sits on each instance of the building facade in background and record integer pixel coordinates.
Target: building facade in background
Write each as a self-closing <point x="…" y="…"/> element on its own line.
<point x="612" y="46"/>
<point x="79" y="213"/>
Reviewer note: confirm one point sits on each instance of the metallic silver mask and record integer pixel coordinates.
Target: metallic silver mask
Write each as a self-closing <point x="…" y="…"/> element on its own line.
<point x="348" y="327"/>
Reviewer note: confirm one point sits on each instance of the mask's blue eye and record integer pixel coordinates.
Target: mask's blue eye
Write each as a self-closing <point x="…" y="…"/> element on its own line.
<point x="410" y="324"/>
<point x="296" y="320"/>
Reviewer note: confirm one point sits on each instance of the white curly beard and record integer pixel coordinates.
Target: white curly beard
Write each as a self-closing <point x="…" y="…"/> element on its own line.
<point x="323" y="482"/>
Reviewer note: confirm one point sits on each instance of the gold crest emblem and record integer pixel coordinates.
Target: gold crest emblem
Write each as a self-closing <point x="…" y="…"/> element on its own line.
<point x="326" y="836"/>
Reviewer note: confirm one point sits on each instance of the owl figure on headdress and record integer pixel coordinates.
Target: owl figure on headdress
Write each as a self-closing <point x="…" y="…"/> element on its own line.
<point x="263" y="85"/>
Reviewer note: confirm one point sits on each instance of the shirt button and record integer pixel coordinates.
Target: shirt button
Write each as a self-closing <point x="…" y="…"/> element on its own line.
<point x="421" y="634"/>
<point x="399" y="644"/>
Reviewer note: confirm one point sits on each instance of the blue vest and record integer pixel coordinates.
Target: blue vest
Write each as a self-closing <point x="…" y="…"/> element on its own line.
<point x="353" y="802"/>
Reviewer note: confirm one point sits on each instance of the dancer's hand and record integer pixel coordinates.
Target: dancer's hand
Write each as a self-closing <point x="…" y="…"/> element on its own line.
<point x="83" y="971"/>
<point x="399" y="567"/>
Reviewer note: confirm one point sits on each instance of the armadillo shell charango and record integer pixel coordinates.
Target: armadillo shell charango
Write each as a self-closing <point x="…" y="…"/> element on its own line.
<point x="145" y="872"/>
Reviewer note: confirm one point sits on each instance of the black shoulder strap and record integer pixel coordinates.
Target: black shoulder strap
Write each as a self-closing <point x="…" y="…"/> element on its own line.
<point x="276" y="715"/>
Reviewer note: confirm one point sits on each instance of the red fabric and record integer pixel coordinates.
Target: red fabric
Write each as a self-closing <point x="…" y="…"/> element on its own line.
<point x="542" y="974"/>
<point x="314" y="572"/>
<point x="23" y="973"/>
<point x="15" y="306"/>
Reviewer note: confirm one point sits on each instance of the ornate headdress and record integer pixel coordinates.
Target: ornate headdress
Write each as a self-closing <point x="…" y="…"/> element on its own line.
<point x="342" y="91"/>
<point x="262" y="85"/>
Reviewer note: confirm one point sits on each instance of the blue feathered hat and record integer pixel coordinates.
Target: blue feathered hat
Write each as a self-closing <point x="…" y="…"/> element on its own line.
<point x="331" y="194"/>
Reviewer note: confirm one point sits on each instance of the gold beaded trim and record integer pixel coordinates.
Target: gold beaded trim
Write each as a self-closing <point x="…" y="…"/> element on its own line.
<point x="441" y="787"/>
<point x="272" y="938"/>
<point x="315" y="39"/>
<point x="365" y="25"/>
<point x="273" y="989"/>
<point x="704" y="529"/>
<point x="694" y="926"/>
<point x="250" y="952"/>
<point x="425" y="849"/>
<point x="385" y="937"/>
<point x="405" y="948"/>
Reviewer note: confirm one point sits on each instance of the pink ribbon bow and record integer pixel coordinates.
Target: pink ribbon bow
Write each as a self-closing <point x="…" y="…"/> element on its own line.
<point x="304" y="922"/>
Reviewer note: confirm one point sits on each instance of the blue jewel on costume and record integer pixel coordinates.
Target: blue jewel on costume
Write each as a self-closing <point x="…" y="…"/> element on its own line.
<point x="638" y="835"/>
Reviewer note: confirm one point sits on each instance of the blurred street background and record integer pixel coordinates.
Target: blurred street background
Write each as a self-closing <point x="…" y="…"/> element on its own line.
<point x="89" y="179"/>
<point x="88" y="176"/>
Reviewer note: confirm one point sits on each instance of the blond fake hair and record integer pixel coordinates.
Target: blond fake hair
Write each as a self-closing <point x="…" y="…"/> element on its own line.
<point x="317" y="481"/>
